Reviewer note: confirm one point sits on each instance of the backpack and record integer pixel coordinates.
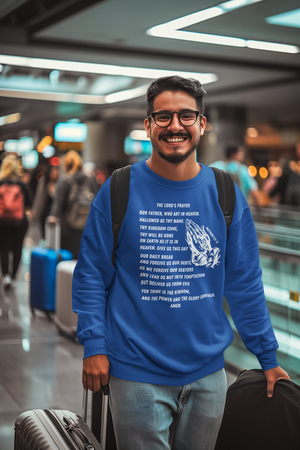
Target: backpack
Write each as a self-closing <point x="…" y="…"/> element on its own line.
<point x="79" y="203"/>
<point x="119" y="194"/>
<point x="11" y="204"/>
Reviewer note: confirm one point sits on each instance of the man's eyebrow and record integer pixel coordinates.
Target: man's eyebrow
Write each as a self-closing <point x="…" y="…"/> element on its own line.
<point x="180" y="110"/>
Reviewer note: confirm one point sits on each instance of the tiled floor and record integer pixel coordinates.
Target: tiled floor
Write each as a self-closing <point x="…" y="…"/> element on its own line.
<point x="39" y="368"/>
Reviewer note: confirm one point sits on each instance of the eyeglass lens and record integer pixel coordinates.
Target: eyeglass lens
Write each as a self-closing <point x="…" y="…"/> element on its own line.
<point x="186" y="118"/>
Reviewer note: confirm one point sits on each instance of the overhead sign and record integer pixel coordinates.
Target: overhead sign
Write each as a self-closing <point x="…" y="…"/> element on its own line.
<point x="25" y="145"/>
<point x="137" y="147"/>
<point x="30" y="160"/>
<point x="70" y="132"/>
<point x="11" y="145"/>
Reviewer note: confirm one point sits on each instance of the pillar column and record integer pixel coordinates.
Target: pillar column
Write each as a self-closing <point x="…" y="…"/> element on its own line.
<point x="105" y="142"/>
<point x="228" y="124"/>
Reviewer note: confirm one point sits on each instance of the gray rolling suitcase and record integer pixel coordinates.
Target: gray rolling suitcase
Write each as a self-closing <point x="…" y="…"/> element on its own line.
<point x="65" y="318"/>
<point x="51" y="429"/>
<point x="56" y="429"/>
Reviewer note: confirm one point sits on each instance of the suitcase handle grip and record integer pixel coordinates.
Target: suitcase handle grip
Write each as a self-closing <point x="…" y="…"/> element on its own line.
<point x="105" y="392"/>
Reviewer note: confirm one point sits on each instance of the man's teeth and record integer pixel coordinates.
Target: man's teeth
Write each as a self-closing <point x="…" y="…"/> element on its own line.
<point x="176" y="139"/>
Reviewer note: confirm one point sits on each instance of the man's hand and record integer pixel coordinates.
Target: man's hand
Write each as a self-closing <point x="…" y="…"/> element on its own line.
<point x="95" y="372"/>
<point x="272" y="376"/>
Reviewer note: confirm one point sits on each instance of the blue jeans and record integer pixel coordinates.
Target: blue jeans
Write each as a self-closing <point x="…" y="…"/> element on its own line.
<point x="155" y="417"/>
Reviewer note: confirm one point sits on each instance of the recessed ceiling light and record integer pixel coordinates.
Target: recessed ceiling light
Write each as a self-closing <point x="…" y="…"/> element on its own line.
<point x="139" y="135"/>
<point x="252" y="132"/>
<point x="11" y="118"/>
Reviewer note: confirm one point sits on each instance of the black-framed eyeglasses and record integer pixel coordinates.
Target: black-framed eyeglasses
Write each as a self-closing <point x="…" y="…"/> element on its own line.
<point x="163" y="119"/>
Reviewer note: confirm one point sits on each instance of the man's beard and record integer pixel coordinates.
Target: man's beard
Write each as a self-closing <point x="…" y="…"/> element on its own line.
<point x="175" y="158"/>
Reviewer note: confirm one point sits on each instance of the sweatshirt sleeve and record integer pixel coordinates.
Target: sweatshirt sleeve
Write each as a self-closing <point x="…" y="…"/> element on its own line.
<point x="244" y="288"/>
<point x="93" y="275"/>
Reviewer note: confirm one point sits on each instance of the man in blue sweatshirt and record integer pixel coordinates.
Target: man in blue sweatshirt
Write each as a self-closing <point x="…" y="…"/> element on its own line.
<point x="153" y="324"/>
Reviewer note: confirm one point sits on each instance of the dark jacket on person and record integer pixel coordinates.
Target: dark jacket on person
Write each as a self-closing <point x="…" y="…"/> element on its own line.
<point x="70" y="237"/>
<point x="282" y="187"/>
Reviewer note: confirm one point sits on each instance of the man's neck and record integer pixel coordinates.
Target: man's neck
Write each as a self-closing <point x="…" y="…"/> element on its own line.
<point x="186" y="170"/>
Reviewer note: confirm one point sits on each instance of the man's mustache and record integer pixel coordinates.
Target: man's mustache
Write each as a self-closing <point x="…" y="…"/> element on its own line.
<point x="170" y="134"/>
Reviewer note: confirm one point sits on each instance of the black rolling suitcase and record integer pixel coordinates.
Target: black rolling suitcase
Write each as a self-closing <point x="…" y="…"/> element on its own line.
<point x="252" y="421"/>
<point x="52" y="429"/>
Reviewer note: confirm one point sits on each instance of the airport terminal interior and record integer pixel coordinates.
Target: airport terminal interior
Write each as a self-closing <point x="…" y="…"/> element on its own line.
<point x="73" y="76"/>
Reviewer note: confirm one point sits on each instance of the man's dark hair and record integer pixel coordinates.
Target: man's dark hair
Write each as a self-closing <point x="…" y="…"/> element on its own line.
<point x="175" y="83"/>
<point x="232" y="150"/>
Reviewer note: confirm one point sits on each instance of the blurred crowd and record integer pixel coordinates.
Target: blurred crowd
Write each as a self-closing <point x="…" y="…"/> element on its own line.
<point x="57" y="193"/>
<point x="281" y="184"/>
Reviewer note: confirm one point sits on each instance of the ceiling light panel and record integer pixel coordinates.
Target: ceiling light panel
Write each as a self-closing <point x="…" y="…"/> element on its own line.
<point x="287" y="19"/>
<point x="234" y="4"/>
<point x="106" y="69"/>
<point x="173" y="29"/>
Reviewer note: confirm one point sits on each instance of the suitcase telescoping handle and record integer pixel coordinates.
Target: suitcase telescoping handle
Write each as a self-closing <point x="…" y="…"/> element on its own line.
<point x="103" y="426"/>
<point x="53" y="233"/>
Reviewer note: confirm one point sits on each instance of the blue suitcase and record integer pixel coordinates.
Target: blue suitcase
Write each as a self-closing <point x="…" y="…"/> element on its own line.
<point x="43" y="277"/>
<point x="43" y="270"/>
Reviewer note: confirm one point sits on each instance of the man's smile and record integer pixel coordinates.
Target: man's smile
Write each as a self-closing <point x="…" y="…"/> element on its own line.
<point x="174" y="139"/>
<point x="171" y="138"/>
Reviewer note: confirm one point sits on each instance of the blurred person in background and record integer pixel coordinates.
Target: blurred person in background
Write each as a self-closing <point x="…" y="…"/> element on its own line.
<point x="97" y="172"/>
<point x="270" y="183"/>
<point x="15" y="197"/>
<point x="287" y="188"/>
<point x="234" y="163"/>
<point x="89" y="170"/>
<point x="43" y="198"/>
<point x="74" y="192"/>
<point x="101" y="175"/>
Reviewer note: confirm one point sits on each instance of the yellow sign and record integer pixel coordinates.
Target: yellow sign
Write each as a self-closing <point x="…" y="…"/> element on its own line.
<point x="66" y="146"/>
<point x="294" y="296"/>
<point x="47" y="140"/>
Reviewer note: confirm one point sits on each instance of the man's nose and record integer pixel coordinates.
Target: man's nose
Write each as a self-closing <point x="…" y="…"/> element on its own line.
<point x="175" y="123"/>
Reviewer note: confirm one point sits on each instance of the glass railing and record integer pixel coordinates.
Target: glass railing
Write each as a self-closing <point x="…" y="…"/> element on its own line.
<point x="278" y="233"/>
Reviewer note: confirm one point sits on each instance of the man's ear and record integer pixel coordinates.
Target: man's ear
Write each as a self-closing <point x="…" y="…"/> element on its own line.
<point x="202" y="125"/>
<point x="147" y="127"/>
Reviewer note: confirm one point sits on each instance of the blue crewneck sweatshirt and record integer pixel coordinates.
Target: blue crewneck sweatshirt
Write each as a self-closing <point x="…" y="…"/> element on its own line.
<point x="158" y="312"/>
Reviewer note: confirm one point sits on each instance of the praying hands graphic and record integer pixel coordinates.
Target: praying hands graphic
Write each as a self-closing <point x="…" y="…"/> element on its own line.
<point x="199" y="243"/>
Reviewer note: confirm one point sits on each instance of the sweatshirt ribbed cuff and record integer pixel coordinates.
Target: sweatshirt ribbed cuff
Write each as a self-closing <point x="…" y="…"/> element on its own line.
<point x="94" y="347"/>
<point x="268" y="360"/>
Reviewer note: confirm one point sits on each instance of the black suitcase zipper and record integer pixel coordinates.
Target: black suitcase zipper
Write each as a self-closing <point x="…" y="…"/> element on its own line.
<point x="70" y="432"/>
